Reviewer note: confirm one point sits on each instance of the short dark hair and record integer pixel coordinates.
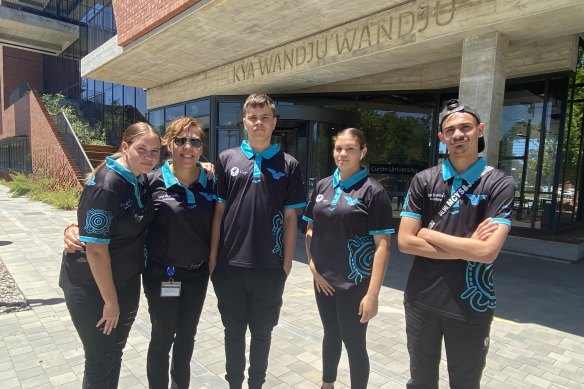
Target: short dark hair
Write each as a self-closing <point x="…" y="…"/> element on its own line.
<point x="259" y="100"/>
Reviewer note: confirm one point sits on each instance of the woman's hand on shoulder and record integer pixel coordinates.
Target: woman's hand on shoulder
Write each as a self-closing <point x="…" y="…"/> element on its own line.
<point x="209" y="169"/>
<point x="71" y="242"/>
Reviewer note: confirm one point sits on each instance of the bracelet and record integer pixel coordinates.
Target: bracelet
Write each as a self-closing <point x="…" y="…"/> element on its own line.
<point x="70" y="225"/>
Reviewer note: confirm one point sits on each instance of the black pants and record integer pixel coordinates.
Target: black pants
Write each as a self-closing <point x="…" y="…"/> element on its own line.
<point x="248" y="297"/>
<point x="103" y="353"/>
<point x="174" y="324"/>
<point x="466" y="343"/>
<point x="339" y="314"/>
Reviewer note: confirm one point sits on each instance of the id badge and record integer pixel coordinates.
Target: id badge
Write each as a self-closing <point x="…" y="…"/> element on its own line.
<point x="170" y="289"/>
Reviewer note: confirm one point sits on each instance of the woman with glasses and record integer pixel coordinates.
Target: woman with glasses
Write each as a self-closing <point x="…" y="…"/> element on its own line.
<point x="177" y="272"/>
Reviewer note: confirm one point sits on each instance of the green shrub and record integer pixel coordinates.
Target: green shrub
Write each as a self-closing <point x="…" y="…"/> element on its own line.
<point x="20" y="185"/>
<point x="93" y="136"/>
<point x="39" y="188"/>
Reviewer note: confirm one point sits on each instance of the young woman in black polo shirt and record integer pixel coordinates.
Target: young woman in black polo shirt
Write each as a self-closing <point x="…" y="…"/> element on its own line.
<point x="347" y="242"/>
<point x="101" y="284"/>
<point x="177" y="270"/>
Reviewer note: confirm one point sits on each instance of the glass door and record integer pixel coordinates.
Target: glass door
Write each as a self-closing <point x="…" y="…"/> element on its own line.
<point x="306" y="133"/>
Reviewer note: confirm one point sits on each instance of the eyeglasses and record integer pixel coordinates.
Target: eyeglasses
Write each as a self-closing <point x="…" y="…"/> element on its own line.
<point x="195" y="142"/>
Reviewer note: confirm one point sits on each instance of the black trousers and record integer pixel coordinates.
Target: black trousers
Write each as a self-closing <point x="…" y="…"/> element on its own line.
<point x="466" y="343"/>
<point x="339" y="314"/>
<point x="248" y="297"/>
<point x="103" y="353"/>
<point x="174" y="324"/>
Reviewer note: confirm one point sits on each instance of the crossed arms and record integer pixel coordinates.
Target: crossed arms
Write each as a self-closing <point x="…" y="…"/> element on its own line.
<point x="483" y="246"/>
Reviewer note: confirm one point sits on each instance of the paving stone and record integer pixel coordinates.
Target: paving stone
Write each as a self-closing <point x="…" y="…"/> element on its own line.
<point x="525" y="351"/>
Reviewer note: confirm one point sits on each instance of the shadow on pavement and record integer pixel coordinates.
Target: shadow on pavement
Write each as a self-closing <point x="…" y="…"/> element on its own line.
<point x="53" y="301"/>
<point x="529" y="290"/>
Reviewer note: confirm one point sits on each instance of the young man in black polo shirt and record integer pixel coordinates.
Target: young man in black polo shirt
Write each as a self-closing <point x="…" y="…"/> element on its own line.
<point x="450" y="292"/>
<point x="253" y="237"/>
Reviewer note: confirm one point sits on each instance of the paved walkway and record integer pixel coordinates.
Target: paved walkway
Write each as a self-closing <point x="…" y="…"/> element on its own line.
<point x="537" y="336"/>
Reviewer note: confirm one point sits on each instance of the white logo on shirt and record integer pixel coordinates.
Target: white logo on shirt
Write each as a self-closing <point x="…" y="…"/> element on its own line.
<point x="234" y="171"/>
<point x="167" y="196"/>
<point x="319" y="198"/>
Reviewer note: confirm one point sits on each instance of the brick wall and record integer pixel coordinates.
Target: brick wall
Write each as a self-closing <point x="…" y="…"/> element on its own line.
<point x="135" y="18"/>
<point x="50" y="156"/>
<point x="17" y="66"/>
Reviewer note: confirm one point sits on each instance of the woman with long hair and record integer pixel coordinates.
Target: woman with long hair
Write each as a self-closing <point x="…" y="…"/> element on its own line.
<point x="177" y="271"/>
<point x="347" y="243"/>
<point x="101" y="283"/>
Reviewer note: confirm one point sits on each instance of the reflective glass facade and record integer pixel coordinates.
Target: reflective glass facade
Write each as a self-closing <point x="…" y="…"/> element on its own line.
<point x="540" y="140"/>
<point x="111" y="107"/>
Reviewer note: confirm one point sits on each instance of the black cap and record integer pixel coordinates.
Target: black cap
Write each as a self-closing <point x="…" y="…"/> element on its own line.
<point x="455" y="105"/>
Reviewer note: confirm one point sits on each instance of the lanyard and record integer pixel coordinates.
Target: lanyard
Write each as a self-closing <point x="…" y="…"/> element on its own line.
<point x="458" y="193"/>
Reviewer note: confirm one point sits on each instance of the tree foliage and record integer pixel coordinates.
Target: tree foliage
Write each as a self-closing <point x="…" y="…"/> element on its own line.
<point x="56" y="103"/>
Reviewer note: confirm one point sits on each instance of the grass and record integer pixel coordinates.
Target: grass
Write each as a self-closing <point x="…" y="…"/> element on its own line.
<point x="40" y="188"/>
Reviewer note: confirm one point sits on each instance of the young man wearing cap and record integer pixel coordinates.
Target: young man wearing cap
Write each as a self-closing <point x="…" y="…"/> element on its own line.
<point x="455" y="219"/>
<point x="259" y="188"/>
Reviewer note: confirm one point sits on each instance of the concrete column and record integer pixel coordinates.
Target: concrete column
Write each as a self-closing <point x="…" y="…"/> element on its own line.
<point x="482" y="84"/>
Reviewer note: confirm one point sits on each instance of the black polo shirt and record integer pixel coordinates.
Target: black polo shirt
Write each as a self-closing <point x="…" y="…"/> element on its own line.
<point x="345" y="215"/>
<point x="457" y="288"/>
<point x="256" y="188"/>
<point x="114" y="209"/>
<point x="180" y="233"/>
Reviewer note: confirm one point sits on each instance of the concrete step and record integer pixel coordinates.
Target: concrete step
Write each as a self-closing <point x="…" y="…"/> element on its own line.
<point x="544" y="249"/>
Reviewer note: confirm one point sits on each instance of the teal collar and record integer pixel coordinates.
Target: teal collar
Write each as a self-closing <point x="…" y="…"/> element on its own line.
<point x="112" y="163"/>
<point x="250" y="153"/>
<point x="470" y="175"/>
<point x="349" y="182"/>
<point x="257" y="158"/>
<point x="170" y="180"/>
<point x="339" y="185"/>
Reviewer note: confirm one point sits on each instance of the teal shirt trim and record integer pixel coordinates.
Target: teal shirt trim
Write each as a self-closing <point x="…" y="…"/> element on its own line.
<point x="257" y="158"/>
<point x="340" y="185"/>
<point x="88" y="239"/>
<point x="411" y="214"/>
<point x="299" y="205"/>
<point x="307" y="219"/>
<point x="170" y="180"/>
<point x="501" y="220"/>
<point x="112" y="163"/>
<point x="349" y="182"/>
<point x="470" y="175"/>
<point x="382" y="232"/>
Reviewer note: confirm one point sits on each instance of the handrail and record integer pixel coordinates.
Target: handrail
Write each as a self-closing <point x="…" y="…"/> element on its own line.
<point x="79" y="155"/>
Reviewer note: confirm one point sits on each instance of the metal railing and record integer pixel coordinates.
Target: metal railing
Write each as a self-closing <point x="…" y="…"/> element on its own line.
<point x="73" y="144"/>
<point x="15" y="155"/>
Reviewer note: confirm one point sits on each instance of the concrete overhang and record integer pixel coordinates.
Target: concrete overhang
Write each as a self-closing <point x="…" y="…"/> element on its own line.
<point x="34" y="32"/>
<point x="209" y="48"/>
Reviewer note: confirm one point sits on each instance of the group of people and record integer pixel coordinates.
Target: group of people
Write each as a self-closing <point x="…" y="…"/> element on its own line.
<point x="176" y="227"/>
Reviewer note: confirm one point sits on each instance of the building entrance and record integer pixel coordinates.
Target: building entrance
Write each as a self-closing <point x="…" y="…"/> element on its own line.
<point x="306" y="133"/>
